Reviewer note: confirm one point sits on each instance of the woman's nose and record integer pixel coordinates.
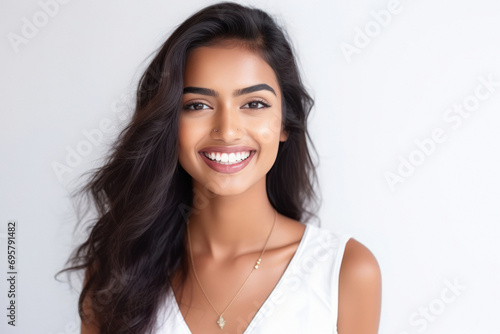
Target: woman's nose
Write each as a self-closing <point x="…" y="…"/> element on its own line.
<point x="227" y="125"/>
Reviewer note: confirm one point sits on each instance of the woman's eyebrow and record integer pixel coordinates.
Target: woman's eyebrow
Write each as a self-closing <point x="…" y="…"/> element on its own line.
<point x="238" y="92"/>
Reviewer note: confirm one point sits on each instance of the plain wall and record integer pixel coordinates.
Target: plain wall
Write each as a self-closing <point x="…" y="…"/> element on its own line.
<point x="405" y="123"/>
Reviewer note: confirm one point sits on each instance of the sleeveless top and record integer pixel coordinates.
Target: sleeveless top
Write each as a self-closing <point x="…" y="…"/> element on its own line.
<point x="305" y="299"/>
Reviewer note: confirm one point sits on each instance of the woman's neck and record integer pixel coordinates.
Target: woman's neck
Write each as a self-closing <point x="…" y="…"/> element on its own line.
<point x="227" y="226"/>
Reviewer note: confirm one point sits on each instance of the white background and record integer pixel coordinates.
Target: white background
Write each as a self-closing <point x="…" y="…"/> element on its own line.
<point x="438" y="226"/>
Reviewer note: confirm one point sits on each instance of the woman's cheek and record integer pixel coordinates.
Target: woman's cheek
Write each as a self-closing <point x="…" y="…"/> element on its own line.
<point x="269" y="129"/>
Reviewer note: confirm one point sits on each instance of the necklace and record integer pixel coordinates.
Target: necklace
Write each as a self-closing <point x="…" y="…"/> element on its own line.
<point x="221" y="321"/>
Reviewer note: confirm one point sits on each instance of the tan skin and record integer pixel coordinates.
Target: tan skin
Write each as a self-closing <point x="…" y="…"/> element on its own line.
<point x="233" y="215"/>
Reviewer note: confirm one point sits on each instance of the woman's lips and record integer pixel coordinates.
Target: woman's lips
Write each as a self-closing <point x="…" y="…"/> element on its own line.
<point x="227" y="169"/>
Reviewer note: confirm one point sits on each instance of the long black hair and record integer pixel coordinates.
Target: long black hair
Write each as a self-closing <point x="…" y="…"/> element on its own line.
<point x="143" y="196"/>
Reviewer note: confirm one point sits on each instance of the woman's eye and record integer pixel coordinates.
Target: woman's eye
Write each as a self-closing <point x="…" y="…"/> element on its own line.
<point x="196" y="106"/>
<point x="255" y="104"/>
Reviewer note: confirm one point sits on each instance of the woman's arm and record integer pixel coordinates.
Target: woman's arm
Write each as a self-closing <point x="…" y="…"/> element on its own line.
<point x="360" y="286"/>
<point x="87" y="327"/>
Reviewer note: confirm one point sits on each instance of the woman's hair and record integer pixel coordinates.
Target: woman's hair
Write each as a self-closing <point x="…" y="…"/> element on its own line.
<point x="143" y="197"/>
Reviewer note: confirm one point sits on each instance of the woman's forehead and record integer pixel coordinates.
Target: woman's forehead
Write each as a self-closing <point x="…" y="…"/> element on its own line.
<point x="224" y="64"/>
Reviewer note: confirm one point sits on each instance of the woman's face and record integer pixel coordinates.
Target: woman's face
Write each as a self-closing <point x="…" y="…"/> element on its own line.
<point x="234" y="91"/>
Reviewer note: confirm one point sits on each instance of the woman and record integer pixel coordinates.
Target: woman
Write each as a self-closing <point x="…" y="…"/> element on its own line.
<point x="203" y="202"/>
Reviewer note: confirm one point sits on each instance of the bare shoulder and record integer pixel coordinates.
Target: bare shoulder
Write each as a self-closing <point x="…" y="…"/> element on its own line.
<point x="360" y="285"/>
<point x="359" y="263"/>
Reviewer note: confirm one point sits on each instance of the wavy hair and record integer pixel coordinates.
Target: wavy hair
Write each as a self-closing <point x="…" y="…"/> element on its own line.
<point x="143" y="196"/>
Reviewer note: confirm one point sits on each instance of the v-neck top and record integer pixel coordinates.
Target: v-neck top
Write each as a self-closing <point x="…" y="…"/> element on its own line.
<point x="305" y="299"/>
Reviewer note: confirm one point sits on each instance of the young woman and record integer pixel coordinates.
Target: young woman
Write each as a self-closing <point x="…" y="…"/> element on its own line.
<point x="203" y="203"/>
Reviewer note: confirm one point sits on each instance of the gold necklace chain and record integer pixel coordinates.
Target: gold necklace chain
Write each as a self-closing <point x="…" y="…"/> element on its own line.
<point x="221" y="321"/>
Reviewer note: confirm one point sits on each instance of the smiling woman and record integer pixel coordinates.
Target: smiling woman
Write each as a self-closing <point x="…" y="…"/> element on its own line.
<point x="205" y="201"/>
<point x="241" y="101"/>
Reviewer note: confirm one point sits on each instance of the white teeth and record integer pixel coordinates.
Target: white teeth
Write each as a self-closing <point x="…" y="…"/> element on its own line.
<point x="227" y="159"/>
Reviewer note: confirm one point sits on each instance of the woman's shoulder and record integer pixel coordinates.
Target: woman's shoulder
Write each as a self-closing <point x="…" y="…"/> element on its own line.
<point x="356" y="276"/>
<point x="354" y="263"/>
<point x="357" y="262"/>
<point x="360" y="285"/>
<point x="295" y="231"/>
<point x="349" y="254"/>
<point x="329" y="240"/>
<point x="359" y="269"/>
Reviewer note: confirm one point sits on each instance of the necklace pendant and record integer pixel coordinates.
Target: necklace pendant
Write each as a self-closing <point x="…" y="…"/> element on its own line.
<point x="221" y="322"/>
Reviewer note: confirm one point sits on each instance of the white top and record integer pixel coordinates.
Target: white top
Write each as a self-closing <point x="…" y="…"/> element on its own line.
<point x="305" y="299"/>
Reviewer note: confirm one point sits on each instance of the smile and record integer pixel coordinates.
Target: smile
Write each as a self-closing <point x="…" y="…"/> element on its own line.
<point x="227" y="163"/>
<point x="227" y="159"/>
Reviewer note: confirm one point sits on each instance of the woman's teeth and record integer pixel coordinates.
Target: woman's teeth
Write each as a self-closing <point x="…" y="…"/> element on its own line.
<point x="227" y="159"/>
